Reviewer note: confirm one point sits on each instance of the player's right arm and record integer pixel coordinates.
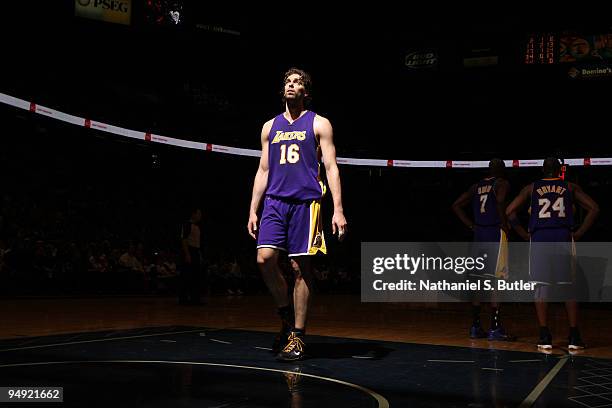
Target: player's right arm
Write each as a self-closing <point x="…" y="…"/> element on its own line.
<point x="459" y="205"/>
<point x="261" y="180"/>
<point x="516" y="204"/>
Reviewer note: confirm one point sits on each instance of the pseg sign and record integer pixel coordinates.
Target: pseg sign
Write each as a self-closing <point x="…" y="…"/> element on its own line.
<point x="112" y="11"/>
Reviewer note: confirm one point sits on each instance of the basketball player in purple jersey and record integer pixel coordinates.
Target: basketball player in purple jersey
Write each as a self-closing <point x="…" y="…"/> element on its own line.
<point x="551" y="221"/>
<point x="488" y="201"/>
<point x="292" y="145"/>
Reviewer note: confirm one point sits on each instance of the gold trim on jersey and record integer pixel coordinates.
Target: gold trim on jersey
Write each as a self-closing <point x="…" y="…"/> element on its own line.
<point x="316" y="238"/>
<point x="501" y="268"/>
<point x="323" y="188"/>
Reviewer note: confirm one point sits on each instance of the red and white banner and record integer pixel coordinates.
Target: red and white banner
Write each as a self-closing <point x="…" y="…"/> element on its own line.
<point x="151" y="137"/>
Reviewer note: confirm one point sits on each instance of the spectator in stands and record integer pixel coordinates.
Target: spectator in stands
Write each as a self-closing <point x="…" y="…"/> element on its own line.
<point x="5" y="251"/>
<point x="131" y="271"/>
<point x="234" y="278"/>
<point x="129" y="260"/>
<point x="162" y="272"/>
<point x="191" y="271"/>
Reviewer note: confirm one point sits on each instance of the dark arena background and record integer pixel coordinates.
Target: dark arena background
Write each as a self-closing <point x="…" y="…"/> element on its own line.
<point x="91" y="213"/>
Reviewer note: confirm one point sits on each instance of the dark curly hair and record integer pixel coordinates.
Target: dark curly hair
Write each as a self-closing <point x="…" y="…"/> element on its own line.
<point x="306" y="81"/>
<point x="497" y="167"/>
<point x="551" y="167"/>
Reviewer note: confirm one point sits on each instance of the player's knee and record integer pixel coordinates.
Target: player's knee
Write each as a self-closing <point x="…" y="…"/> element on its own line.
<point x="297" y="271"/>
<point x="264" y="259"/>
<point x="541" y="293"/>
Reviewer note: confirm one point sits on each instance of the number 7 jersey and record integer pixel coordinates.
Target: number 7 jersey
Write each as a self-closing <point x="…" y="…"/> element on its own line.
<point x="484" y="203"/>
<point x="293" y="159"/>
<point x="551" y="205"/>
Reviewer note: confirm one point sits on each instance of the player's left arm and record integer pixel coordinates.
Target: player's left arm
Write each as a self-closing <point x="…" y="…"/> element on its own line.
<point x="591" y="207"/>
<point x="501" y="194"/>
<point x="323" y="130"/>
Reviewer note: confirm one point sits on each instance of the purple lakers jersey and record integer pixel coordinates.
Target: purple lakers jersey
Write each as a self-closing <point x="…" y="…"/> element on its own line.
<point x="484" y="203"/>
<point x="551" y="205"/>
<point x="293" y="158"/>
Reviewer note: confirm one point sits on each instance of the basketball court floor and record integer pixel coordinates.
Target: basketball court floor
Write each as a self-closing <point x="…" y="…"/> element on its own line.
<point x="151" y="352"/>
